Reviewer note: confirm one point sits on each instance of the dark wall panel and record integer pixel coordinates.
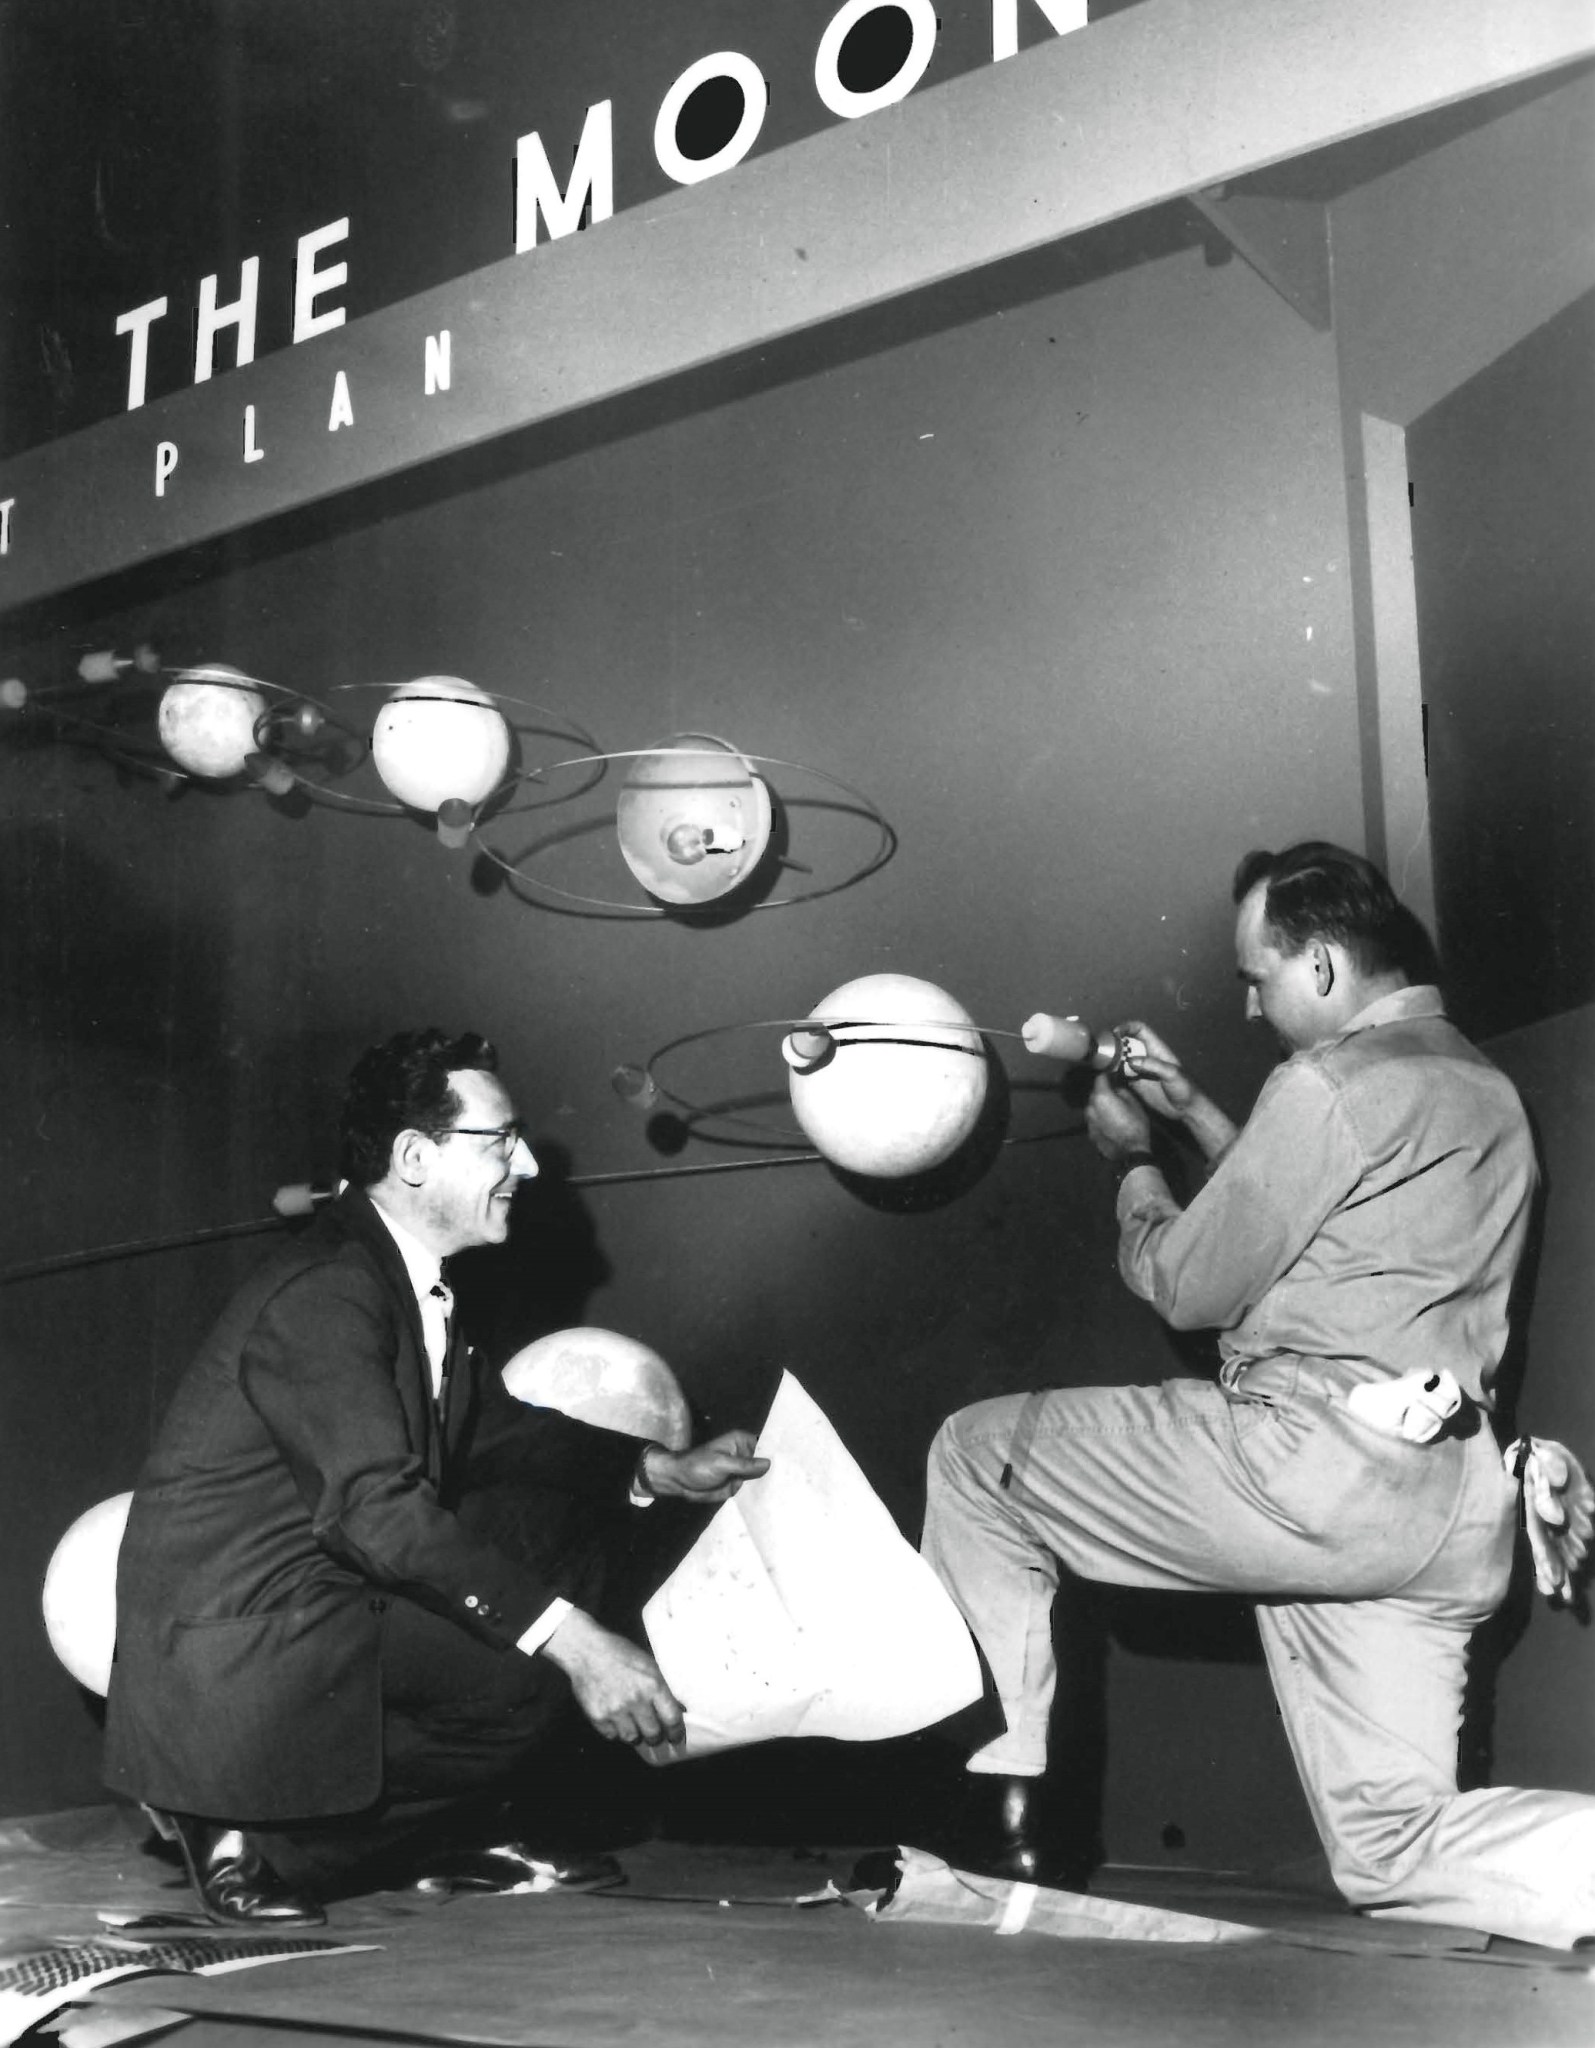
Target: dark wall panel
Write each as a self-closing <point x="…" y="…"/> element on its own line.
<point x="1503" y="481"/>
<point x="1064" y="589"/>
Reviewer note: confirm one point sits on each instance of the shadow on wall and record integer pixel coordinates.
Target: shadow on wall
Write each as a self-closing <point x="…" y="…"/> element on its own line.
<point x="543" y="1276"/>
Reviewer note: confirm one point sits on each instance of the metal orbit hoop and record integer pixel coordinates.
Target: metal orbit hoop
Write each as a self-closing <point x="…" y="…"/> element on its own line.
<point x="493" y="802"/>
<point x="150" y="757"/>
<point x="613" y="907"/>
<point x="650" y="1089"/>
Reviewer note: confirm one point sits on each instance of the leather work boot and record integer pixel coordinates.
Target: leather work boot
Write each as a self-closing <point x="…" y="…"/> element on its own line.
<point x="1009" y="1828"/>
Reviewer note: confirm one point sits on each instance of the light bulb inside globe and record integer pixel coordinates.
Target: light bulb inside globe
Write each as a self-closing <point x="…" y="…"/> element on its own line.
<point x="686" y="844"/>
<point x="693" y="819"/>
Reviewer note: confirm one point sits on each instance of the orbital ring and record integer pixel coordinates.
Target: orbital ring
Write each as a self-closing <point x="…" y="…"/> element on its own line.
<point x="562" y="727"/>
<point x="691" y="1112"/>
<point x="613" y="907"/>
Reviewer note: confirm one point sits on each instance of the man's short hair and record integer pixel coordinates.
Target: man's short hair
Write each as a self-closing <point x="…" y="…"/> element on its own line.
<point x="404" y="1085"/>
<point x="1319" y="891"/>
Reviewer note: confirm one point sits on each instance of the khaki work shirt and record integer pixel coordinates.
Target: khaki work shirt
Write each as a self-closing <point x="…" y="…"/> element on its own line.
<point x="1372" y="1211"/>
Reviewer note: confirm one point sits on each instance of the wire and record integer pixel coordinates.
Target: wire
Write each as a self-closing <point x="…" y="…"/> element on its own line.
<point x="140" y="1247"/>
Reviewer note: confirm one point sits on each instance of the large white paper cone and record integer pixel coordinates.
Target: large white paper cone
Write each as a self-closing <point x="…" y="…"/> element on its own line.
<point x="800" y="1610"/>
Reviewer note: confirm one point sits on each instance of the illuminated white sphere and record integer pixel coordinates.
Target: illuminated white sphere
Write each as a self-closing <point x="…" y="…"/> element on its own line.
<point x="601" y="1377"/>
<point x="880" y="1106"/>
<point x="80" y="1592"/>
<point x="207" y="720"/>
<point x="693" y="818"/>
<point x="438" y="738"/>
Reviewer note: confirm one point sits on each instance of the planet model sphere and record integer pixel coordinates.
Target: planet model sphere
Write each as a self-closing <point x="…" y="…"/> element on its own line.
<point x="905" y="1085"/>
<point x="440" y="739"/>
<point x="693" y="818"/>
<point x="80" y="1592"/>
<point x="207" y="720"/>
<point x="602" y="1377"/>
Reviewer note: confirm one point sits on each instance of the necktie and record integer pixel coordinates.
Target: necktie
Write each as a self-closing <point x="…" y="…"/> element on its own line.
<point x="437" y="1305"/>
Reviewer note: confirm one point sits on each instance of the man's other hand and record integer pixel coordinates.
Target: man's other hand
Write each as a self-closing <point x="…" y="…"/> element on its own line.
<point x="1156" y="1077"/>
<point x="618" y="1687"/>
<point x="1115" y="1122"/>
<point x="711" y="1472"/>
<point x="1162" y="1085"/>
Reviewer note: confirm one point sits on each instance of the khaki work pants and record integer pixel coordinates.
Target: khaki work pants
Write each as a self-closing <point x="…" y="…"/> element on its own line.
<point x="1372" y="1561"/>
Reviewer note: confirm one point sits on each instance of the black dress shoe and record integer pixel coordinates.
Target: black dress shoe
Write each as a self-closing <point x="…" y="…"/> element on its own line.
<point x="232" y="1880"/>
<point x="516" y="1866"/>
<point x="1006" y="1828"/>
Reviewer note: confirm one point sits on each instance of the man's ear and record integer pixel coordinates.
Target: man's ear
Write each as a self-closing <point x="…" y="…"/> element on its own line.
<point x="1323" y="966"/>
<point x="410" y="1157"/>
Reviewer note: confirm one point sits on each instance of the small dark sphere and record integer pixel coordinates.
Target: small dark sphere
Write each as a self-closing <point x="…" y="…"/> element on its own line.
<point x="668" y="1133"/>
<point x="487" y="877"/>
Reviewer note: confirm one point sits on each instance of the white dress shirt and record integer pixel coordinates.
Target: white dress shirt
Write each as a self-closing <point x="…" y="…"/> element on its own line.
<point x="435" y="1299"/>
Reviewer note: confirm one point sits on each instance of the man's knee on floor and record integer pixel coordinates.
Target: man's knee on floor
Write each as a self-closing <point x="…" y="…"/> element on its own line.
<point x="1372" y="1861"/>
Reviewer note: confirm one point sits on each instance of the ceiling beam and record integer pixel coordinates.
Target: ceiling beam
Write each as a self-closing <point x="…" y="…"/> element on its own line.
<point x="1159" y="101"/>
<point x="1286" y="241"/>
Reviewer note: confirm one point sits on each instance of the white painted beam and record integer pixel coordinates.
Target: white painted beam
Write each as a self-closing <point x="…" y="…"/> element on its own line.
<point x="1161" y="100"/>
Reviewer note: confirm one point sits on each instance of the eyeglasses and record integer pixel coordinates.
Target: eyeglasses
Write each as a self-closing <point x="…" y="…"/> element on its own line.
<point x="505" y="1136"/>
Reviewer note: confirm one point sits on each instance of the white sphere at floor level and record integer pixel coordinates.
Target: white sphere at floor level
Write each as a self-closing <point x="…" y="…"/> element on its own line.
<point x="901" y="1092"/>
<point x="207" y="720"/>
<point x="440" y="738"/>
<point x="601" y="1377"/>
<point x="80" y="1592"/>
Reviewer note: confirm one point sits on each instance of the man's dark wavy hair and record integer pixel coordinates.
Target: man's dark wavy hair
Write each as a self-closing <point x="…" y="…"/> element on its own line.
<point x="404" y="1085"/>
<point x="1319" y="891"/>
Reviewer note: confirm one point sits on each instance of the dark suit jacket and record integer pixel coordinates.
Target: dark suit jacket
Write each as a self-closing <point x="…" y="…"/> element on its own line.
<point x="300" y="1474"/>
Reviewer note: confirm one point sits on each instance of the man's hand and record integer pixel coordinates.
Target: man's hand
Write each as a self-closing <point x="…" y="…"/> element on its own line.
<point x="1115" y="1122"/>
<point x="618" y="1687"/>
<point x="1163" y="1085"/>
<point x="712" y="1472"/>
<point x="1156" y="1076"/>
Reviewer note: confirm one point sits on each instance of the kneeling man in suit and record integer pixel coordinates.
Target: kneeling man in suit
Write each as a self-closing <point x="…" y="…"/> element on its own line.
<point x="321" y="1652"/>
